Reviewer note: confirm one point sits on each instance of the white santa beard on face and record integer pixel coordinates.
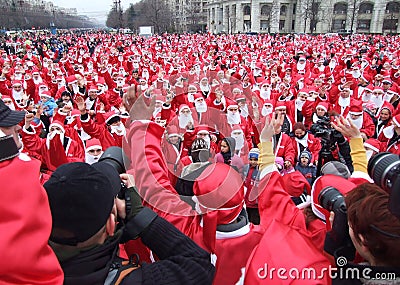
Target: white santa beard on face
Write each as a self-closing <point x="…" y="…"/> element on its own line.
<point x="301" y="66"/>
<point x="75" y="88"/>
<point x="200" y="107"/>
<point x="205" y="88"/>
<point x="332" y="64"/>
<point x="299" y="104"/>
<point x="301" y="84"/>
<point x="233" y="118"/>
<point x="387" y="97"/>
<point x="11" y="106"/>
<point x="344" y="102"/>
<point x="144" y="87"/>
<point x="357" y="122"/>
<point x="17" y="95"/>
<point x="191" y="97"/>
<point x="184" y="119"/>
<point x="239" y="141"/>
<point x="366" y="97"/>
<point x="38" y="80"/>
<point x="356" y="74"/>
<point x="119" y="130"/>
<point x="90" y="159"/>
<point x="18" y="76"/>
<point x="244" y="111"/>
<point x="265" y="111"/>
<point x="265" y="94"/>
<point x="378" y="100"/>
<point x="321" y="68"/>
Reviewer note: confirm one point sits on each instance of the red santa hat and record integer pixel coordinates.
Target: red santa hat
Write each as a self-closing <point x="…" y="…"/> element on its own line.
<point x="387" y="79"/>
<point x="280" y="105"/>
<point x="236" y="129"/>
<point x="295" y="184"/>
<point x="373" y="144"/>
<point x="268" y="102"/>
<point x="388" y="106"/>
<point x="378" y="89"/>
<point x="197" y="96"/>
<point x="16" y="82"/>
<point x="323" y="105"/>
<point x="231" y="104"/>
<point x="356" y="108"/>
<point x="46" y="94"/>
<point x="93" y="144"/>
<point x="92" y="87"/>
<point x="341" y="184"/>
<point x="57" y="123"/>
<point x="71" y="79"/>
<point x="109" y="116"/>
<point x="172" y="131"/>
<point x="202" y="129"/>
<point x="219" y="193"/>
<point x="183" y="106"/>
<point x="370" y="88"/>
<point x="396" y="120"/>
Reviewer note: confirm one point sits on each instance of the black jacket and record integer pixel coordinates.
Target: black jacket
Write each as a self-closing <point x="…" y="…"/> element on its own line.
<point x="181" y="260"/>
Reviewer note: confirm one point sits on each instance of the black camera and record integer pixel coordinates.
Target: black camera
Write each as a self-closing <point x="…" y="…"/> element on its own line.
<point x="384" y="169"/>
<point x="116" y="157"/>
<point x="337" y="241"/>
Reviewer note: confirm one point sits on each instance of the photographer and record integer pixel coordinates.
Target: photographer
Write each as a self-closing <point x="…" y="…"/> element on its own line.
<point x="333" y="144"/>
<point x="85" y="234"/>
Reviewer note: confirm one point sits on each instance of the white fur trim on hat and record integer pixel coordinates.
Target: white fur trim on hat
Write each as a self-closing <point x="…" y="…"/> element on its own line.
<point x="396" y="122"/>
<point x="57" y="125"/>
<point x="96" y="146"/>
<point x="371" y="147"/>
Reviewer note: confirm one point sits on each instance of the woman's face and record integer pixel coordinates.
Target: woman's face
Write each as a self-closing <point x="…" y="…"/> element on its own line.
<point x="224" y="147"/>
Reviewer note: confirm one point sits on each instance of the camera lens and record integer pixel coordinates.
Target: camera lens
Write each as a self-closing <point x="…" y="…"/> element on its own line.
<point x="382" y="167"/>
<point x="331" y="199"/>
<point x="116" y="158"/>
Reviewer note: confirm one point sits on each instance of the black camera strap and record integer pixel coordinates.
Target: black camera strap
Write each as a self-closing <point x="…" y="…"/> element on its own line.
<point x="384" y="232"/>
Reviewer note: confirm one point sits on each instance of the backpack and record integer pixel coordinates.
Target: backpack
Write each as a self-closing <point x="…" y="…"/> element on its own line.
<point x="120" y="268"/>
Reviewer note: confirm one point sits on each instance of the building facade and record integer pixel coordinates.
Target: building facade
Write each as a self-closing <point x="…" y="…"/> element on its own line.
<point x="303" y="16"/>
<point x="190" y="15"/>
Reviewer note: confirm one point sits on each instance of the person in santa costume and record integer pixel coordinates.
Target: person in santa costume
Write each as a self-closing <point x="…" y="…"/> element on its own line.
<point x="110" y="131"/>
<point x="392" y="133"/>
<point x="372" y="147"/>
<point x="222" y="226"/>
<point x="172" y="147"/>
<point x="385" y="116"/>
<point x="95" y="102"/>
<point x="344" y="101"/>
<point x="25" y="220"/>
<point x="17" y="93"/>
<point x="303" y="140"/>
<point x="361" y="120"/>
<point x="93" y="151"/>
<point x="56" y="149"/>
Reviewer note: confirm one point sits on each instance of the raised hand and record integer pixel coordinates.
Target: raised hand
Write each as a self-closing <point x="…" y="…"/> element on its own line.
<point x="346" y="128"/>
<point x="140" y="111"/>
<point x="80" y="102"/>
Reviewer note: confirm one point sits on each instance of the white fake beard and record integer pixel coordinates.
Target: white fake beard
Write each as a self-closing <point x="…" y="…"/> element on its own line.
<point x="144" y="87"/>
<point x="366" y="97"/>
<point x="301" y="84"/>
<point x="369" y="153"/>
<point x="388" y="132"/>
<point x="358" y="122"/>
<point x="332" y="64"/>
<point x="244" y="111"/>
<point x="257" y="72"/>
<point x="89" y="103"/>
<point x="75" y="88"/>
<point x="38" y="80"/>
<point x="119" y="130"/>
<point x="120" y="84"/>
<point x="239" y="141"/>
<point x="378" y="100"/>
<point x="17" y="95"/>
<point x="18" y="76"/>
<point x="11" y="106"/>
<point x="205" y="88"/>
<point x="52" y="135"/>
<point x="145" y="75"/>
<point x="299" y="104"/>
<point x="301" y="66"/>
<point x="265" y="111"/>
<point x="201" y="107"/>
<point x="233" y="118"/>
<point x="156" y="111"/>
<point x="387" y="97"/>
<point x="265" y="94"/>
<point x="191" y="97"/>
<point x="344" y="102"/>
<point x="321" y="68"/>
<point x="356" y="74"/>
<point x="90" y="159"/>
<point x="184" y="119"/>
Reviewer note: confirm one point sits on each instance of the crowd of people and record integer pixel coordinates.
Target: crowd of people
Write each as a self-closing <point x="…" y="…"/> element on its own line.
<point x="230" y="138"/>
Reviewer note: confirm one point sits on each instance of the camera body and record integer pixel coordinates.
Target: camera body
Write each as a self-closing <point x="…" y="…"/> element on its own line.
<point x="384" y="169"/>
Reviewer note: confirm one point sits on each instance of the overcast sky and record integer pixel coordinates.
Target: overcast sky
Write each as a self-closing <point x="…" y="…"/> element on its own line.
<point x="95" y="9"/>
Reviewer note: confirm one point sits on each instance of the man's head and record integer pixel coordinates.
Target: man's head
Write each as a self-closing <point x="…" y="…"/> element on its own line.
<point x="9" y="123"/>
<point x="305" y="158"/>
<point x="253" y="157"/>
<point x="82" y="203"/>
<point x="93" y="151"/>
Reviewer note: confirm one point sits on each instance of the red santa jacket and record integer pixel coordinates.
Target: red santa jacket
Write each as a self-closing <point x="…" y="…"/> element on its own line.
<point x="101" y="132"/>
<point x="284" y="148"/>
<point x="54" y="152"/>
<point x="152" y="181"/>
<point x="25" y="226"/>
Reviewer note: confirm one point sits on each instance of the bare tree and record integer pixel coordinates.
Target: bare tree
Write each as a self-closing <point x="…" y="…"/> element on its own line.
<point x="354" y="6"/>
<point x="311" y="14"/>
<point x="155" y="13"/>
<point x="194" y="17"/>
